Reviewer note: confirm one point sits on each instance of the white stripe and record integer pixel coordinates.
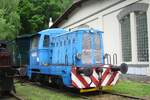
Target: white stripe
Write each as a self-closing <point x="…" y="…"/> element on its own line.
<point x="77" y="81"/>
<point x="92" y="85"/>
<point x="96" y="76"/>
<point x="103" y="71"/>
<point x="106" y="80"/>
<point x="106" y="66"/>
<point x="87" y="79"/>
<point x="115" y="79"/>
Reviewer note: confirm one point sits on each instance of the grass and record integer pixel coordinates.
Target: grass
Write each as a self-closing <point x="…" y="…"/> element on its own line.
<point x="132" y="88"/>
<point x="29" y="92"/>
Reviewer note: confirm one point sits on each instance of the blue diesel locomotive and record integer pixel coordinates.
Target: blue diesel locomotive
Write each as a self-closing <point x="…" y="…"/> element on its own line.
<point x="73" y="59"/>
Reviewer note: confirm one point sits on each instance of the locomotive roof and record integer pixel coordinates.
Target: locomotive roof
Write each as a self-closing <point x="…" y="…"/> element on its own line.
<point x="57" y="32"/>
<point x="81" y="29"/>
<point x="53" y="31"/>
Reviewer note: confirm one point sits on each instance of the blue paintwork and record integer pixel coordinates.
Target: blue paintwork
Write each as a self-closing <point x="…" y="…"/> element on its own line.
<point x="59" y="57"/>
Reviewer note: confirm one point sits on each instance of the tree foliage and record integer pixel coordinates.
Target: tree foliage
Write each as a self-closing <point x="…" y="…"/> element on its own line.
<point x="28" y="16"/>
<point x="35" y="14"/>
<point x="9" y="19"/>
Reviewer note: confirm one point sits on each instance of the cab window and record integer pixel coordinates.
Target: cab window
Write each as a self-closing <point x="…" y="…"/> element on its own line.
<point x="46" y="41"/>
<point x="35" y="41"/>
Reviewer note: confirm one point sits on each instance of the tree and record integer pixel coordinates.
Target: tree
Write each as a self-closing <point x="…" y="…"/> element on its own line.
<point x="35" y="14"/>
<point x="9" y="19"/>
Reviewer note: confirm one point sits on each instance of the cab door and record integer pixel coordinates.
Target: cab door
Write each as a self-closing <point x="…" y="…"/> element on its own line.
<point x="44" y="54"/>
<point x="34" y="59"/>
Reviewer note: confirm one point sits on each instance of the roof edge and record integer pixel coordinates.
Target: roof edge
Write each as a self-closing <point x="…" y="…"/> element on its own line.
<point x="67" y="12"/>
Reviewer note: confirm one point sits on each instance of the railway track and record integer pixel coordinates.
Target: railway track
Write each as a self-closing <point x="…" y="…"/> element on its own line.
<point x="126" y="96"/>
<point x="85" y="96"/>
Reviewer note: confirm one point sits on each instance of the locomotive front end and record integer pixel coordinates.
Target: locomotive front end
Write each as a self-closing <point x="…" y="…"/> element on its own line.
<point x="90" y="73"/>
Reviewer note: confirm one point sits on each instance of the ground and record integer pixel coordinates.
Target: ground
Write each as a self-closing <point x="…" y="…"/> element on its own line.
<point x="109" y="97"/>
<point x="29" y="92"/>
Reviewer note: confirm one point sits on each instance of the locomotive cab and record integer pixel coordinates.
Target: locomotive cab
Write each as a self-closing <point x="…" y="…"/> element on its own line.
<point x="40" y="50"/>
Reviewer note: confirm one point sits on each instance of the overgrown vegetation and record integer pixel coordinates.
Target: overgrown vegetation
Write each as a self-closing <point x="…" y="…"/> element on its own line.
<point x="132" y="88"/>
<point x="9" y="19"/>
<point x="28" y="16"/>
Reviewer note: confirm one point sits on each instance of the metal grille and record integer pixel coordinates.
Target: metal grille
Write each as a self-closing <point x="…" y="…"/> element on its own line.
<point x="86" y="41"/>
<point x="126" y="39"/>
<point x="97" y="50"/>
<point x="142" y="36"/>
<point x="86" y="52"/>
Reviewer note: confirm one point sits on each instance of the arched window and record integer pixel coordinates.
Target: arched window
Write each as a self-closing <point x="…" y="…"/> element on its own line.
<point x="142" y="36"/>
<point x="126" y="38"/>
<point x="134" y="34"/>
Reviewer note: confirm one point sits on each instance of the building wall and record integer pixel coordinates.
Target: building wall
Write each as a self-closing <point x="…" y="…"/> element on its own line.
<point x="102" y="15"/>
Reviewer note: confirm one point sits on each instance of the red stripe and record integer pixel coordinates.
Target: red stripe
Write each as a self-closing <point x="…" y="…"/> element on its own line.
<point x="105" y="74"/>
<point x="81" y="79"/>
<point x="94" y="80"/>
<point x="74" y="84"/>
<point x="74" y="70"/>
<point x="112" y="78"/>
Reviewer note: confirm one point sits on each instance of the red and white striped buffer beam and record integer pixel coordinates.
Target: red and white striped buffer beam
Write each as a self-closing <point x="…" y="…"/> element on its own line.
<point x="107" y="77"/>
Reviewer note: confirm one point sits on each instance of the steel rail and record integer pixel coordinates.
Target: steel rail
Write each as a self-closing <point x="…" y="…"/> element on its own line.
<point x="125" y="95"/>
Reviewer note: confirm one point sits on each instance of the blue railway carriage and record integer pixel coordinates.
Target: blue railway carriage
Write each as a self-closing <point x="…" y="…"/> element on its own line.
<point x="72" y="59"/>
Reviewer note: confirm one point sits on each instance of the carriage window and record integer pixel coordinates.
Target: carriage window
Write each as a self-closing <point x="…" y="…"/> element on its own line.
<point x="46" y="41"/>
<point x="35" y="41"/>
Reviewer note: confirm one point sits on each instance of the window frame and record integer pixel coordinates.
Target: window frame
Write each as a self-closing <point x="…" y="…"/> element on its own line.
<point x="142" y="7"/>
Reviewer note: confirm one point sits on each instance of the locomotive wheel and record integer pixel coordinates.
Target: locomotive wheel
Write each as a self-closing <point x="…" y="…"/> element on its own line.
<point x="57" y="82"/>
<point x="43" y="80"/>
<point x="60" y="83"/>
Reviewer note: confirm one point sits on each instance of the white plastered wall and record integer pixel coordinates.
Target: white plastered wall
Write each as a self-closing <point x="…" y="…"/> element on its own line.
<point x="107" y="21"/>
